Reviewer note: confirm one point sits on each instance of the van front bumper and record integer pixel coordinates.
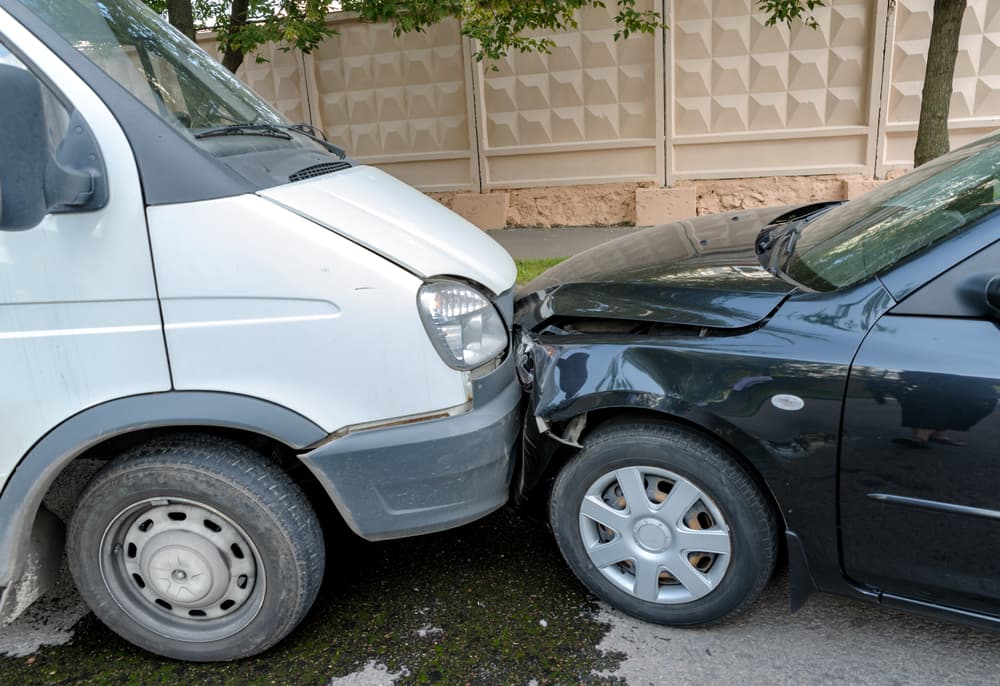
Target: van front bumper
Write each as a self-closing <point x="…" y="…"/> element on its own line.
<point x="433" y="475"/>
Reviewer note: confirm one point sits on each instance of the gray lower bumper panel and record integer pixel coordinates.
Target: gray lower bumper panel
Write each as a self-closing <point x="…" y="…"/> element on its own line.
<point x="418" y="478"/>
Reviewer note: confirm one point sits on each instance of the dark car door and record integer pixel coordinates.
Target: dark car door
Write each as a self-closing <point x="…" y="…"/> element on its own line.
<point x="920" y="457"/>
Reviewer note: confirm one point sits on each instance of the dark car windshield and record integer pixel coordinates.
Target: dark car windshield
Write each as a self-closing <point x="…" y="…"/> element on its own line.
<point x="869" y="235"/>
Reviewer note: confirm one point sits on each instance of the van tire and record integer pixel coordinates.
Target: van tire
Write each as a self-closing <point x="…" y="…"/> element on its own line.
<point x="197" y="548"/>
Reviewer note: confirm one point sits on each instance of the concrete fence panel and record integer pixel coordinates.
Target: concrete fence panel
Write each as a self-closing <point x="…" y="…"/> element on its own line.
<point x="748" y="99"/>
<point x="589" y="112"/>
<point x="975" y="104"/>
<point x="403" y="104"/>
<point x="701" y="108"/>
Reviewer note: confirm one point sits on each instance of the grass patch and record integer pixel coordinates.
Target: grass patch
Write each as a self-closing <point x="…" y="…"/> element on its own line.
<point x="529" y="269"/>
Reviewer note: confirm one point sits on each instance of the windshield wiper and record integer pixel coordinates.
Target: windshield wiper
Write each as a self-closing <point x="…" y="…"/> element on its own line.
<point x="788" y="238"/>
<point x="770" y="236"/>
<point x="310" y="131"/>
<point x="764" y="240"/>
<point x="787" y="227"/>
<point x="274" y="131"/>
<point x="245" y="129"/>
<point x="793" y="234"/>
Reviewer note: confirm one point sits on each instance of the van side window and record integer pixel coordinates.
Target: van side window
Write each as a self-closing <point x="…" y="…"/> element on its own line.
<point x="55" y="112"/>
<point x="50" y="161"/>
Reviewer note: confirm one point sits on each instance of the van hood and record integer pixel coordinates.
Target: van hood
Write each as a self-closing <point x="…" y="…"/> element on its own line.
<point x="701" y="272"/>
<point x="373" y="209"/>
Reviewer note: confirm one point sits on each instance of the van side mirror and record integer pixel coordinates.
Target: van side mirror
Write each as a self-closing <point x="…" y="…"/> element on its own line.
<point x="75" y="178"/>
<point x="33" y="181"/>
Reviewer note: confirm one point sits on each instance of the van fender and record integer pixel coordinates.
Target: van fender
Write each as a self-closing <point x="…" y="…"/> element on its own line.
<point x="22" y="495"/>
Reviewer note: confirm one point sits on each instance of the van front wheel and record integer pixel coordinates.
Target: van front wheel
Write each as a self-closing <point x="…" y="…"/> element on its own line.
<point x="196" y="548"/>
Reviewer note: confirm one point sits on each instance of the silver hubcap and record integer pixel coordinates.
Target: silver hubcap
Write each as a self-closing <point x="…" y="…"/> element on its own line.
<point x="655" y="535"/>
<point x="182" y="569"/>
<point x="652" y="535"/>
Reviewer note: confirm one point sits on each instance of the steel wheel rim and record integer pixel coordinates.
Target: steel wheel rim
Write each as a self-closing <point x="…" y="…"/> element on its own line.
<point x="655" y="535"/>
<point x="182" y="569"/>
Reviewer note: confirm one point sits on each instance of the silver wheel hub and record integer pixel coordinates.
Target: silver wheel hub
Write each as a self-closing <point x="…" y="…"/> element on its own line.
<point x="184" y="569"/>
<point x="652" y="535"/>
<point x="655" y="535"/>
<point x="174" y="564"/>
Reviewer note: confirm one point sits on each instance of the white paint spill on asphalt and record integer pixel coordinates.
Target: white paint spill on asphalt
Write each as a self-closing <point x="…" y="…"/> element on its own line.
<point x="373" y="674"/>
<point x="49" y="622"/>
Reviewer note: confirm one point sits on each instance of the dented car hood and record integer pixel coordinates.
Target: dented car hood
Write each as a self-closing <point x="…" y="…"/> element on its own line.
<point x="701" y="272"/>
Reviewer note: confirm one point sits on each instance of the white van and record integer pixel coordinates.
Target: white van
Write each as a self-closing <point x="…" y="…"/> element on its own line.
<point x="230" y="314"/>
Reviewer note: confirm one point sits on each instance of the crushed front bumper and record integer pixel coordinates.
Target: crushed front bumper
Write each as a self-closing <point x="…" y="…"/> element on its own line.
<point x="428" y="476"/>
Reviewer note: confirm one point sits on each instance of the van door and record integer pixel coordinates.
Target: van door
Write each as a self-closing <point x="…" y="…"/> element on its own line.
<point x="79" y="317"/>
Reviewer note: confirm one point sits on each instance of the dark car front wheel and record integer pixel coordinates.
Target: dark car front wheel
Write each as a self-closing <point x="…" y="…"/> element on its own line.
<point x="663" y="524"/>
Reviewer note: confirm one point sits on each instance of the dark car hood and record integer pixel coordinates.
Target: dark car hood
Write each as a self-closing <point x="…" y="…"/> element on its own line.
<point x="701" y="272"/>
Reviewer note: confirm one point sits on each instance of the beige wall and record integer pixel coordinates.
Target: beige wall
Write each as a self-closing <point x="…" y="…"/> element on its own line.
<point x="748" y="99"/>
<point x="975" y="104"/>
<point x="589" y="112"/>
<point x="717" y="96"/>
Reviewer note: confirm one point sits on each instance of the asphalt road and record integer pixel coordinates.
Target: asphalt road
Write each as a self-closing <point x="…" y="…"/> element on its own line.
<point x="492" y="603"/>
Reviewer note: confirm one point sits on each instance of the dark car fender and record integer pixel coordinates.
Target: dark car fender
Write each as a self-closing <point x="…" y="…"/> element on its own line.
<point x="563" y="426"/>
<point x="557" y="416"/>
<point x="728" y="385"/>
<point x="744" y="448"/>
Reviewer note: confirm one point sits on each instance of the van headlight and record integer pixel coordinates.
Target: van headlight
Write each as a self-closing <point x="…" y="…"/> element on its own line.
<point x="464" y="326"/>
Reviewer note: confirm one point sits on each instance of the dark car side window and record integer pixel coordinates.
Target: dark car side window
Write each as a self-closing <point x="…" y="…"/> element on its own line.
<point x="958" y="292"/>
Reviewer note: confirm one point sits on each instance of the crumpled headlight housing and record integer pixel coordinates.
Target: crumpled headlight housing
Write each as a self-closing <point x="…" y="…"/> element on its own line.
<point x="464" y="326"/>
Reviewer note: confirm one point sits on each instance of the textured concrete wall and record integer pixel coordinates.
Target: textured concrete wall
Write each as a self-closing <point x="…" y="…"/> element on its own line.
<point x="644" y="204"/>
<point x="721" y="109"/>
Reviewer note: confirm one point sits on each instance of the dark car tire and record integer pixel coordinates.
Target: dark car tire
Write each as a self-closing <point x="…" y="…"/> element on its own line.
<point x="664" y="456"/>
<point x="196" y="548"/>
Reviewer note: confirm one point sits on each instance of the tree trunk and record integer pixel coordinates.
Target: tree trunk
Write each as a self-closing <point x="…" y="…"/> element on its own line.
<point x="932" y="134"/>
<point x="181" y="16"/>
<point x="233" y="57"/>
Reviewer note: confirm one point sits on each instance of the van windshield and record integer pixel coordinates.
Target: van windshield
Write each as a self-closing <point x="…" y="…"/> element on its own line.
<point x="174" y="78"/>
